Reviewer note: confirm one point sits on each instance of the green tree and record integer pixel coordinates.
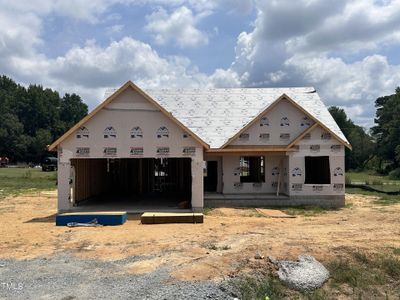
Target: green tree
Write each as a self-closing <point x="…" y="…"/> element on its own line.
<point x="387" y="129"/>
<point x="13" y="142"/>
<point x="362" y="143"/>
<point x="33" y="117"/>
<point x="72" y="110"/>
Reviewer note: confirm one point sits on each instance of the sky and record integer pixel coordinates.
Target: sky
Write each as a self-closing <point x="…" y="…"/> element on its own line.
<point x="349" y="50"/>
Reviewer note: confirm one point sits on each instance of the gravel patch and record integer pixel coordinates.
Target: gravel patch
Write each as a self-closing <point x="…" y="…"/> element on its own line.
<point x="305" y="274"/>
<point x="66" y="277"/>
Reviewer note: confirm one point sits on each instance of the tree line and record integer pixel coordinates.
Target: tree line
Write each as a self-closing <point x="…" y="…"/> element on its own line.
<point x="379" y="148"/>
<point x="31" y="118"/>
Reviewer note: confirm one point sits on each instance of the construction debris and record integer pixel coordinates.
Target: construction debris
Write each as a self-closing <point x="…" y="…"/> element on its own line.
<point x="259" y="256"/>
<point x="92" y="223"/>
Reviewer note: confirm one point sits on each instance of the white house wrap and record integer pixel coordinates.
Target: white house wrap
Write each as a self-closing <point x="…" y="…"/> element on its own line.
<point x="211" y="147"/>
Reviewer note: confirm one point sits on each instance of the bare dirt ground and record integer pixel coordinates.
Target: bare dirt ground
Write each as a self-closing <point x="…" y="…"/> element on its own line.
<point x="223" y="246"/>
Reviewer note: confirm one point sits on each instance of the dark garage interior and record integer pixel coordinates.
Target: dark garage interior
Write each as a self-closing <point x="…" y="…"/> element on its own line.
<point x="132" y="183"/>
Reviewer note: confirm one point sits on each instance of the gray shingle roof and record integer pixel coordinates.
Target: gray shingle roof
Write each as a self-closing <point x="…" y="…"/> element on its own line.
<point x="216" y="115"/>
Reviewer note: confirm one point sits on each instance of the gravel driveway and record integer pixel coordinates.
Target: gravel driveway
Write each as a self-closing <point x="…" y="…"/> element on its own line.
<point x="67" y="277"/>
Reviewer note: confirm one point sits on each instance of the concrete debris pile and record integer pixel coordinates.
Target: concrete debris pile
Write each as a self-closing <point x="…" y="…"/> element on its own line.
<point x="305" y="274"/>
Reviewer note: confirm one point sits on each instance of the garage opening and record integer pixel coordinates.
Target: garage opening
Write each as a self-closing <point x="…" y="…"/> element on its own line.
<point x="132" y="183"/>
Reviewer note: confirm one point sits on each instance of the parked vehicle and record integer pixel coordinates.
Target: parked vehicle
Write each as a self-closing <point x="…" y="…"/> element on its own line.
<point x="4" y="161"/>
<point x="49" y="164"/>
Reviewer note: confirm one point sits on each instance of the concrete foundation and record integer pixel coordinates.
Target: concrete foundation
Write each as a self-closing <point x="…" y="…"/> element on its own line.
<point x="272" y="200"/>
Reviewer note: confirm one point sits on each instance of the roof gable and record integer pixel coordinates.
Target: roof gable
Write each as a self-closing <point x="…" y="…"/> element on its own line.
<point x="109" y="100"/>
<point x="270" y="108"/>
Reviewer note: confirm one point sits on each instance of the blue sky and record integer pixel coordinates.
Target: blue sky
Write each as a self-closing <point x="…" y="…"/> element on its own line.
<point x="347" y="49"/>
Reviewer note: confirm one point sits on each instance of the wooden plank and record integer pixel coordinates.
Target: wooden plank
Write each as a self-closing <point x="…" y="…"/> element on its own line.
<point x="169" y="217"/>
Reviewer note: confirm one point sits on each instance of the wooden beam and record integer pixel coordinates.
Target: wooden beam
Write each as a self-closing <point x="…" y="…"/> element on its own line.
<point x="251" y="151"/>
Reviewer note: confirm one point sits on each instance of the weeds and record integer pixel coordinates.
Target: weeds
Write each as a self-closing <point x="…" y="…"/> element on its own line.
<point x="391" y="266"/>
<point x="378" y="269"/>
<point x="307" y="211"/>
<point x="207" y="210"/>
<point x="214" y="246"/>
<point x="396" y="251"/>
<point x="252" y="288"/>
<point x="361" y="276"/>
<point x="27" y="174"/>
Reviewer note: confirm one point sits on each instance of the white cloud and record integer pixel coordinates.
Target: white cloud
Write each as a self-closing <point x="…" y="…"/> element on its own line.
<point x="114" y="29"/>
<point x="352" y="85"/>
<point x="225" y="78"/>
<point x="361" y="25"/>
<point x="179" y="27"/>
<point x="90" y="69"/>
<point x="304" y="43"/>
<point x="333" y="45"/>
<point x="76" y="9"/>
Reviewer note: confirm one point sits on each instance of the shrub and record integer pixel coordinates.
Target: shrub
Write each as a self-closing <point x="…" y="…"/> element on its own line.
<point x="395" y="174"/>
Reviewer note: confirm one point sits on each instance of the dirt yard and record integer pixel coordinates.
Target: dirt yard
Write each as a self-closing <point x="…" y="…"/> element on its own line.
<point x="223" y="246"/>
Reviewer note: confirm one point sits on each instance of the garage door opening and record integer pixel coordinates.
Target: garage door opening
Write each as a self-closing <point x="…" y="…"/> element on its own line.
<point x="132" y="184"/>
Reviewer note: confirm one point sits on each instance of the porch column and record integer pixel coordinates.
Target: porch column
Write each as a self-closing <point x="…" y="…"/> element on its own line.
<point x="197" y="185"/>
<point x="63" y="177"/>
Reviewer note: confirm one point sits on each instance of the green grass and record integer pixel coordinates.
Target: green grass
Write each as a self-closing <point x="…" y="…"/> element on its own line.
<point x="207" y="210"/>
<point x="396" y="251"/>
<point x="357" y="275"/>
<point x="14" y="181"/>
<point x="307" y="211"/>
<point x="383" y="198"/>
<point x="269" y="287"/>
<point x="370" y="178"/>
<point x="386" y="187"/>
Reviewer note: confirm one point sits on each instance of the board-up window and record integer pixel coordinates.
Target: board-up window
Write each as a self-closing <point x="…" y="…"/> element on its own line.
<point x="252" y="169"/>
<point x="317" y="170"/>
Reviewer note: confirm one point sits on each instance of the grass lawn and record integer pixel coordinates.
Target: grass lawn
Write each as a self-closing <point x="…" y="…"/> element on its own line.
<point x="380" y="183"/>
<point x="14" y="181"/>
<point x="370" y="178"/>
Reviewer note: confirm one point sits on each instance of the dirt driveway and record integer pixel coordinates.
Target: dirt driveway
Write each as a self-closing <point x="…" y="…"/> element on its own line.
<point x="223" y="246"/>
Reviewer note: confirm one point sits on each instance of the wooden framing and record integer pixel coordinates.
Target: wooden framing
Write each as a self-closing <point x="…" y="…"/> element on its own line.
<point x="249" y="150"/>
<point x="270" y="107"/>
<point x="127" y="85"/>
